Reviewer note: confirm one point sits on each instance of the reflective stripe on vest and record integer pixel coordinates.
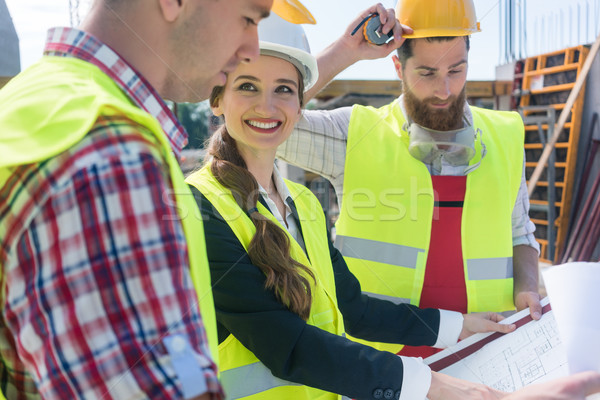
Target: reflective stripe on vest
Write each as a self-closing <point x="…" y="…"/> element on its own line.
<point x="254" y="378"/>
<point x="403" y="256"/>
<point x="388" y="204"/>
<point x="490" y="268"/>
<point x="238" y="361"/>
<point x="85" y="92"/>
<point x="395" y="300"/>
<point x="382" y="252"/>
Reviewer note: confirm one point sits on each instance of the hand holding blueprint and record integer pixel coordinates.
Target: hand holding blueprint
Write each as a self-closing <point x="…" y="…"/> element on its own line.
<point x="533" y="353"/>
<point x="536" y="352"/>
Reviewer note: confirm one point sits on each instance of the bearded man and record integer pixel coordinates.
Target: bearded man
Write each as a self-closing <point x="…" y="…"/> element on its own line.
<point x="434" y="209"/>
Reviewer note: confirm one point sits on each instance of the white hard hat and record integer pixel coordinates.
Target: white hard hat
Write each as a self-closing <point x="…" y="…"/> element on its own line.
<point x="282" y="39"/>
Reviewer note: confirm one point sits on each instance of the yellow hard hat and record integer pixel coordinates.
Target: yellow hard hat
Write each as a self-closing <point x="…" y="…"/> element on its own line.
<point x="430" y="18"/>
<point x="293" y="11"/>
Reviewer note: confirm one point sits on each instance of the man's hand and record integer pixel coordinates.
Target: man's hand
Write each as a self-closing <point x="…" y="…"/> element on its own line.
<point x="526" y="277"/>
<point x="484" y="322"/>
<point x="360" y="48"/>
<point x="349" y="48"/>
<point x="574" y="387"/>
<point x="524" y="300"/>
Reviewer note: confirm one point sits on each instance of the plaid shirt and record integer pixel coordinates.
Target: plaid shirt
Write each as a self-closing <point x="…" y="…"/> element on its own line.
<point x="96" y="270"/>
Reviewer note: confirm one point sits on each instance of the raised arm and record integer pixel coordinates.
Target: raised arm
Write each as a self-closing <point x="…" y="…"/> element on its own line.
<point x="349" y="48"/>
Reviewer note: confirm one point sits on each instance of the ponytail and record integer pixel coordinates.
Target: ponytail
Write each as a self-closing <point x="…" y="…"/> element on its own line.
<point x="269" y="248"/>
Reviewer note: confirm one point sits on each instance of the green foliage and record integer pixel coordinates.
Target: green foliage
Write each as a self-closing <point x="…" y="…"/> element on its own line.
<point x="195" y="118"/>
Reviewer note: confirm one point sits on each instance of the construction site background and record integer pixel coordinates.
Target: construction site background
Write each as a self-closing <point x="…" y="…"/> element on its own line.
<point x="541" y="59"/>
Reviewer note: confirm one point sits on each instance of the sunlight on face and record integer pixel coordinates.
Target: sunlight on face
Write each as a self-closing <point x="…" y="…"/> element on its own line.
<point x="261" y="104"/>
<point x="206" y="48"/>
<point x="434" y="83"/>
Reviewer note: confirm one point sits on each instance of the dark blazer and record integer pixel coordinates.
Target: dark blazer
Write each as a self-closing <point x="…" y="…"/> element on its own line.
<point x="302" y="353"/>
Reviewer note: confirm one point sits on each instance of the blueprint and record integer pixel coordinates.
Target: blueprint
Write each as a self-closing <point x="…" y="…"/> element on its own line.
<point x="533" y="353"/>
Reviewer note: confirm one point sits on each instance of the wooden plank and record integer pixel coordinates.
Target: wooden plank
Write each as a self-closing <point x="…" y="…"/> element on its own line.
<point x="539" y="222"/>
<point x="556" y="184"/>
<point x="554" y="88"/>
<point x="534" y="128"/>
<point x="559" y="106"/>
<point x="556" y="165"/>
<point x="542" y="222"/>
<point x="552" y="70"/>
<point x="502" y="88"/>
<point x="340" y="87"/>
<point x="544" y="203"/>
<point x="539" y="146"/>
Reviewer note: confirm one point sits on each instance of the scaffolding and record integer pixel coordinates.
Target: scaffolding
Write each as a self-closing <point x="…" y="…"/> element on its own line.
<point x="533" y="27"/>
<point x="544" y="86"/>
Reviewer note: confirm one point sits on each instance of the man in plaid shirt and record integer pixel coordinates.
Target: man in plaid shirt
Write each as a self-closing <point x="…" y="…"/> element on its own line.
<point x="95" y="247"/>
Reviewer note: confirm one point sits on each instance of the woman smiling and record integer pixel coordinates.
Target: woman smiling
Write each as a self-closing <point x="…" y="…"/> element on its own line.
<point x="284" y="296"/>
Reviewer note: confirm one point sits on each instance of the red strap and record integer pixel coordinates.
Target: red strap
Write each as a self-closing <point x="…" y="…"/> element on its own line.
<point x="444" y="285"/>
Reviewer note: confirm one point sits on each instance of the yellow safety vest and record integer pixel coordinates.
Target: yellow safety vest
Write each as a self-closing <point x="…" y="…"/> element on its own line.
<point x="42" y="117"/>
<point x="384" y="226"/>
<point x="242" y="374"/>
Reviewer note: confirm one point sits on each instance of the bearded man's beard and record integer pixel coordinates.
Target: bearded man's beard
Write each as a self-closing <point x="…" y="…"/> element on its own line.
<point x="422" y="113"/>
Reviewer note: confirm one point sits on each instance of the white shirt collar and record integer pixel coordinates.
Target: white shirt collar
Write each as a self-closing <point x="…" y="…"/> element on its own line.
<point x="280" y="186"/>
<point x="288" y="221"/>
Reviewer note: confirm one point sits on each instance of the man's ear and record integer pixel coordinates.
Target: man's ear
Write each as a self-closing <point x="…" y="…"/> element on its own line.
<point x="397" y="66"/>
<point x="216" y="108"/>
<point x="171" y="9"/>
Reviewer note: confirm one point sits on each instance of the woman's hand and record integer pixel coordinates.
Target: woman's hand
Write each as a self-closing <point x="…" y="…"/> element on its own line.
<point x="484" y="322"/>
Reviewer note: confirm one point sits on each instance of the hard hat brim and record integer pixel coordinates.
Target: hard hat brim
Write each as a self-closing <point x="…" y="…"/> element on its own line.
<point x="293" y="11"/>
<point x="440" y="32"/>
<point x="303" y="61"/>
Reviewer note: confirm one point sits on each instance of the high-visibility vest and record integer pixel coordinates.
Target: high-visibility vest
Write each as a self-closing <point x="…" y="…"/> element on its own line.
<point x="42" y="117"/>
<point x="243" y="375"/>
<point x="385" y="221"/>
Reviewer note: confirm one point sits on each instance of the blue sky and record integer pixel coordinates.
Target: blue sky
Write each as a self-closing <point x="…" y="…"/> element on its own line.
<point x="552" y="24"/>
